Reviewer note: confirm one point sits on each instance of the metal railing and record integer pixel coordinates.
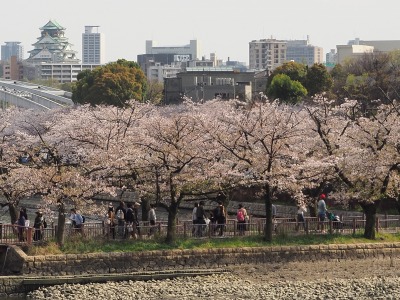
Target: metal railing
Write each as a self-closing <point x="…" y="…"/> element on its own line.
<point x="14" y="234"/>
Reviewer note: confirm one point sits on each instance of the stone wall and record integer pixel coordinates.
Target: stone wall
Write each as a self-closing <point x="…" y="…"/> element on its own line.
<point x="54" y="267"/>
<point x="125" y="262"/>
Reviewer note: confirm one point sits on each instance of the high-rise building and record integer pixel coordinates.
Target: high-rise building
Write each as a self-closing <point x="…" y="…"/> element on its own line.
<point x="266" y="54"/>
<point x="12" y="49"/>
<point x="301" y="51"/>
<point x="93" y="46"/>
<point x="52" y="46"/>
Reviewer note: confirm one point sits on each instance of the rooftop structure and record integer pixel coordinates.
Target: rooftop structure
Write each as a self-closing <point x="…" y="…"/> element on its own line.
<point x="52" y="46"/>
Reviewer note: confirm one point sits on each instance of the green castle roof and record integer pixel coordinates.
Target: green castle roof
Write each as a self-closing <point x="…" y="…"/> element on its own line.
<point x="52" y="25"/>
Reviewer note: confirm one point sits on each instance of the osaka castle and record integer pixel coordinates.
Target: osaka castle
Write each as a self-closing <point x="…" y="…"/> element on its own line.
<point x="52" y="46"/>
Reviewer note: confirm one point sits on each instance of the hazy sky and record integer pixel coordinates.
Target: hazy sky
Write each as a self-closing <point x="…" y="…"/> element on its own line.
<point x="222" y="26"/>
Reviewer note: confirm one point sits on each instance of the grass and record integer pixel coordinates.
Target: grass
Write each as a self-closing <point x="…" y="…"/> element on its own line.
<point x="79" y="245"/>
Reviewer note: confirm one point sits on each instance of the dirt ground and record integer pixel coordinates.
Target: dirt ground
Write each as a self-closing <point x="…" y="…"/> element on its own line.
<point x="313" y="271"/>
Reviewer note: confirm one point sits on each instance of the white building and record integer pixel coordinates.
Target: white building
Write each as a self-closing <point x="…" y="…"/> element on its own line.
<point x="193" y="49"/>
<point x="158" y="72"/>
<point x="59" y="72"/>
<point x="266" y="54"/>
<point x="93" y="46"/>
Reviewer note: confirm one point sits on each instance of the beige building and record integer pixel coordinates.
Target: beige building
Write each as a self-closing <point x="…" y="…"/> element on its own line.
<point x="356" y="48"/>
<point x="266" y="54"/>
<point x="346" y="52"/>
<point x="381" y="46"/>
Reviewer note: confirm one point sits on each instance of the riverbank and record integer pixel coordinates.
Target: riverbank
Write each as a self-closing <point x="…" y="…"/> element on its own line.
<point x="377" y="278"/>
<point x="254" y="265"/>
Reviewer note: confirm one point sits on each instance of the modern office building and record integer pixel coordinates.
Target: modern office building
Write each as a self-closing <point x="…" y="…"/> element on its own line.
<point x="301" y="51"/>
<point x="93" y="46"/>
<point x="266" y="54"/>
<point x="12" y="49"/>
<point x="52" y="46"/>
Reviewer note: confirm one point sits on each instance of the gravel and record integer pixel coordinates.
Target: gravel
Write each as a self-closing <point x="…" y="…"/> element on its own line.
<point x="226" y="286"/>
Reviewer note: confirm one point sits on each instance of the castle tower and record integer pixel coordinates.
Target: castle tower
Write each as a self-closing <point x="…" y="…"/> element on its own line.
<point x="52" y="46"/>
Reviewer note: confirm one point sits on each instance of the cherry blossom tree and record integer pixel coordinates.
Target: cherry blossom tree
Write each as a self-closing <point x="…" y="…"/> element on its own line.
<point x="67" y="173"/>
<point x="364" y="150"/>
<point x="264" y="144"/>
<point x="18" y="179"/>
<point x="177" y="160"/>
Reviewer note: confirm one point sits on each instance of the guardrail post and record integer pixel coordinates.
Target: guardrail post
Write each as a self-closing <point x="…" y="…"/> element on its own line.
<point x="354" y="226"/>
<point x="306" y="222"/>
<point x="234" y="228"/>
<point x="184" y="230"/>
<point x="377" y="224"/>
<point x="1" y="230"/>
<point x="29" y="235"/>
<point x="330" y="226"/>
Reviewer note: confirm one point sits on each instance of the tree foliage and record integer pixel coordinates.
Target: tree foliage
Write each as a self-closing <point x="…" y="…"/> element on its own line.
<point x="112" y="84"/>
<point x="286" y="89"/>
<point x="368" y="78"/>
<point x="315" y="80"/>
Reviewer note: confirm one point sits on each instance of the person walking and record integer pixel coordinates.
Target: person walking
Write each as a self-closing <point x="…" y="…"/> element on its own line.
<point x="194" y="219"/>
<point x="38" y="225"/>
<point x="321" y="212"/>
<point x="120" y="214"/>
<point x="241" y="219"/>
<point x="21" y="226"/>
<point x="300" y="217"/>
<point x="111" y="222"/>
<point x="220" y="218"/>
<point x="152" y="218"/>
<point x="77" y="221"/>
<point x="136" y="227"/>
<point x="201" y="219"/>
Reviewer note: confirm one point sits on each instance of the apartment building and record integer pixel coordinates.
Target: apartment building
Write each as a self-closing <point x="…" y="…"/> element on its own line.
<point x="93" y="46"/>
<point x="266" y="54"/>
<point x="13" y="69"/>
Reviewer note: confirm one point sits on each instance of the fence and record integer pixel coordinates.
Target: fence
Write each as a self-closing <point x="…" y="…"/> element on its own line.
<point x="14" y="234"/>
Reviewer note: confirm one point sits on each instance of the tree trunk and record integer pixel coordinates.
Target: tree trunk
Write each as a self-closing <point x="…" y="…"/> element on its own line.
<point x="370" y="217"/>
<point x="13" y="212"/>
<point x="268" y="214"/>
<point x="145" y="209"/>
<point x="171" y="229"/>
<point x="60" y="225"/>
